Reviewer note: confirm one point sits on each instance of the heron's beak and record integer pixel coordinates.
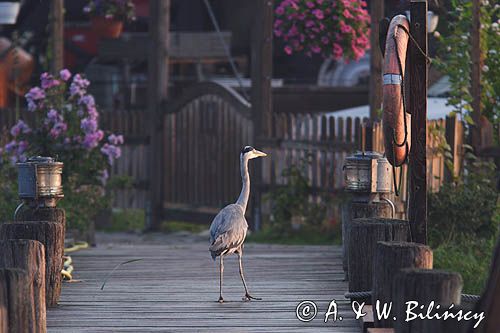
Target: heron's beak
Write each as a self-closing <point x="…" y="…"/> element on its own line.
<point x="259" y="153"/>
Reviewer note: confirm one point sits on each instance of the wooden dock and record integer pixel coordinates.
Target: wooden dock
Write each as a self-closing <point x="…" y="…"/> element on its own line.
<point x="174" y="288"/>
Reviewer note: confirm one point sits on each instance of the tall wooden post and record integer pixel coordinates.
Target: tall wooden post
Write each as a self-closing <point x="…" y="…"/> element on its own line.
<point x="477" y="65"/>
<point x="159" y="27"/>
<point x="262" y="69"/>
<point x="377" y="13"/>
<point x="418" y="107"/>
<point x="56" y="19"/>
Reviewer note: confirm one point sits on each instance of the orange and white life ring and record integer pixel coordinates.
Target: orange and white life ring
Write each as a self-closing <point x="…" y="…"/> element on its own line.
<point x="396" y="122"/>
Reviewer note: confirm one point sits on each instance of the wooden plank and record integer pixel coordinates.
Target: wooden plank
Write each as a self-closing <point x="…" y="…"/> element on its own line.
<point x="180" y="294"/>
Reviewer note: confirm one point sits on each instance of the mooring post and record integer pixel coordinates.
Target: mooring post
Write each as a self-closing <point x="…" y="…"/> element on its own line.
<point x="418" y="108"/>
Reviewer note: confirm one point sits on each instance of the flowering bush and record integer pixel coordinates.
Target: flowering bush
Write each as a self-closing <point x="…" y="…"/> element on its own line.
<point x="123" y="10"/>
<point x="331" y="28"/>
<point x="67" y="127"/>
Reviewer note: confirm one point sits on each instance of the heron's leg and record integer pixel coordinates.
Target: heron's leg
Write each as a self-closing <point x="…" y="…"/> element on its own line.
<point x="247" y="294"/>
<point x="221" y="269"/>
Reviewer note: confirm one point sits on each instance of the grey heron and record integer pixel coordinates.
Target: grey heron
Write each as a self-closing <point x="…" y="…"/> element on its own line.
<point x="229" y="227"/>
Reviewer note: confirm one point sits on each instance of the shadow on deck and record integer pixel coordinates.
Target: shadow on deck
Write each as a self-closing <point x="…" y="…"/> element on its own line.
<point x="174" y="288"/>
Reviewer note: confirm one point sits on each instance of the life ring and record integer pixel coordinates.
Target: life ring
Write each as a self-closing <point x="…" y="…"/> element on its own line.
<point x="396" y="121"/>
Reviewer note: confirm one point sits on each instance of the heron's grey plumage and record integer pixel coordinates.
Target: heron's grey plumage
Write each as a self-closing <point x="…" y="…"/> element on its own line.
<point x="229" y="228"/>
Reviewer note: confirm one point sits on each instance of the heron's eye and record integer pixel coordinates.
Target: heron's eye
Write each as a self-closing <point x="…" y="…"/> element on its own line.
<point x="246" y="150"/>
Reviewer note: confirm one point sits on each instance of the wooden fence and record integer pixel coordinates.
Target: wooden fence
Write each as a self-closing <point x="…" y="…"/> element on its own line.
<point x="205" y="129"/>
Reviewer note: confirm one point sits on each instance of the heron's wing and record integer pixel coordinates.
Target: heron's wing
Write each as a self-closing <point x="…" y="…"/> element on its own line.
<point x="228" y="229"/>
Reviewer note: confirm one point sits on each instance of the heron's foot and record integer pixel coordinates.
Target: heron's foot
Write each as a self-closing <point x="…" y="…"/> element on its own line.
<point x="248" y="297"/>
<point x="221" y="300"/>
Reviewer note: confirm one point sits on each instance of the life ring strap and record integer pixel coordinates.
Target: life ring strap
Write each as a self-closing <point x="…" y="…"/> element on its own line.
<point x="392" y="79"/>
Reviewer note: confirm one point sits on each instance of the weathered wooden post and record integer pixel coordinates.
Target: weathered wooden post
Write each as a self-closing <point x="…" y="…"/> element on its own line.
<point x="377" y="14"/>
<point x="56" y="26"/>
<point x="28" y="255"/>
<point x="158" y="78"/>
<point x="261" y="94"/>
<point x="417" y="71"/>
<point x="364" y="235"/>
<point x="4" y="315"/>
<point x="51" y="235"/>
<point x="423" y="286"/>
<point x="18" y="295"/>
<point x="369" y="183"/>
<point x="390" y="257"/>
<point x="490" y="300"/>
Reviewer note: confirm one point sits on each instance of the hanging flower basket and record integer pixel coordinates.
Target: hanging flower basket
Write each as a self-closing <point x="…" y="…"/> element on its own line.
<point x="107" y="17"/>
<point x="9" y="11"/>
<point x="336" y="29"/>
<point x="106" y="27"/>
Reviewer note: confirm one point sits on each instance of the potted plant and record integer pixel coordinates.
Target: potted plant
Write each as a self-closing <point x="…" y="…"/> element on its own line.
<point x="107" y="16"/>
<point x="336" y="29"/>
<point x="66" y="126"/>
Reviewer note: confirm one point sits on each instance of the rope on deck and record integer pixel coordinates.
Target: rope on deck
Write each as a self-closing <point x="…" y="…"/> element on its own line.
<point x="467" y="298"/>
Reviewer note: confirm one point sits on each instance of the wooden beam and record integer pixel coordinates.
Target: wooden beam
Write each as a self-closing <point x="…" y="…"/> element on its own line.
<point x="56" y="26"/>
<point x="262" y="71"/>
<point x="157" y="94"/>
<point x="477" y="65"/>
<point x="377" y="14"/>
<point x="418" y="107"/>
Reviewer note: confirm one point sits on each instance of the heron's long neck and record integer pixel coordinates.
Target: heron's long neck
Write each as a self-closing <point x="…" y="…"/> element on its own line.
<point x="245" y="177"/>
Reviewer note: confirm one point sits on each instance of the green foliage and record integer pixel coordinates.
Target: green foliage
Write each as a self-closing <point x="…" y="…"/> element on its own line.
<point x="464" y="220"/>
<point x="294" y="200"/>
<point x="465" y="208"/>
<point x="8" y="193"/>
<point x="471" y="258"/>
<point x="126" y="220"/>
<point x="455" y="58"/>
<point x="176" y="226"/>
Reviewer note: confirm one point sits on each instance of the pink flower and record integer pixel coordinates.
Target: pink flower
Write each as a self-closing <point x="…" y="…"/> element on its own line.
<point x="65" y="74"/>
<point x="347" y="14"/>
<point x="288" y="50"/>
<point x="319" y="14"/>
<point x="310" y="4"/>
<point x="280" y="10"/>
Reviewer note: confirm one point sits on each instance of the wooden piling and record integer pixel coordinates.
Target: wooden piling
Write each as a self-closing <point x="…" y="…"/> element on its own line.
<point x="4" y="317"/>
<point x="390" y="257"/>
<point x="353" y="210"/>
<point x="16" y="284"/>
<point x="363" y="238"/>
<point x="423" y="286"/>
<point x="28" y="255"/>
<point x="51" y="235"/>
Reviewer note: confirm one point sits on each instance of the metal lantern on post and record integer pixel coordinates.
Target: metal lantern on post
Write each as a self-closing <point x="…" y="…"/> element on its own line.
<point x="40" y="182"/>
<point x="368" y="176"/>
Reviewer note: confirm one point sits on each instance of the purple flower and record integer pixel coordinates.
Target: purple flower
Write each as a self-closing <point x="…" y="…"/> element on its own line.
<point x="87" y="100"/>
<point x="58" y="129"/>
<point x="48" y="81"/>
<point x="91" y="140"/>
<point x="111" y="151"/>
<point x="88" y="125"/>
<point x="19" y="128"/>
<point x="115" y="139"/>
<point x="78" y="86"/>
<point x="65" y="74"/>
<point x="104" y="176"/>
<point x="35" y="94"/>
<point x="11" y="146"/>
